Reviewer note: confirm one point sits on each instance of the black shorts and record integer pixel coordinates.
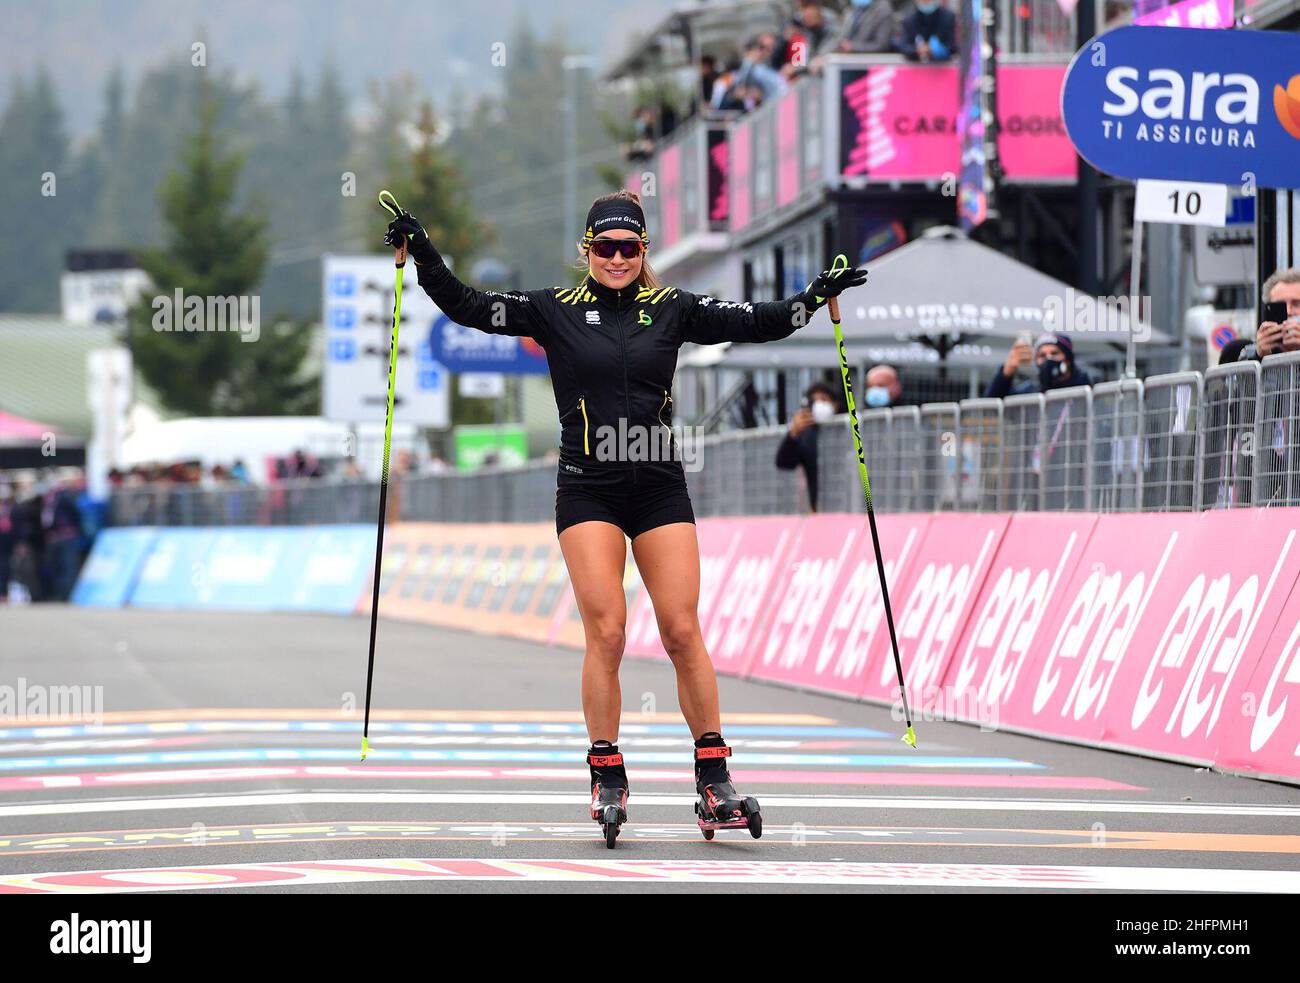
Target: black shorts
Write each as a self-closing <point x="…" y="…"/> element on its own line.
<point x="635" y="501"/>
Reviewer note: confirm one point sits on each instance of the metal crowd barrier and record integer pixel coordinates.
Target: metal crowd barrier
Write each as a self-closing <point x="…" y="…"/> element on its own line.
<point x="1178" y="442"/>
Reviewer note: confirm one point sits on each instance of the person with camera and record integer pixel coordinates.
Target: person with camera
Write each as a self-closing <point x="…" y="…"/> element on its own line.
<point x="1280" y="329"/>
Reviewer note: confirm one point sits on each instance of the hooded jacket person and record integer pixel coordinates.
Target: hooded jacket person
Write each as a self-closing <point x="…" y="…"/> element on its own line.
<point x="1054" y="367"/>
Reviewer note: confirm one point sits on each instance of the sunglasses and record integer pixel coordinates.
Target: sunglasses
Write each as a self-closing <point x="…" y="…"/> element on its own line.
<point x="606" y="248"/>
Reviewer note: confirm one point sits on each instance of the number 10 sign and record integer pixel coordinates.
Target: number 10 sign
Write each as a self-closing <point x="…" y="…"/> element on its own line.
<point x="1181" y="203"/>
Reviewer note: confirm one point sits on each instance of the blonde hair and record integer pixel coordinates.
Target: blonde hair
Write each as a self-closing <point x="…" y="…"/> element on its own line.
<point x="647" y="278"/>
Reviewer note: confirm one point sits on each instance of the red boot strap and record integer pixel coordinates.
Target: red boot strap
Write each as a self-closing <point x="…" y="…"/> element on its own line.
<point x="604" y="760"/>
<point x="712" y="752"/>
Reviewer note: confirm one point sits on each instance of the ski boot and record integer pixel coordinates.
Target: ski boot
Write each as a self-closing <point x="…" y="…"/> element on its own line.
<point x="720" y="806"/>
<point x="608" y="789"/>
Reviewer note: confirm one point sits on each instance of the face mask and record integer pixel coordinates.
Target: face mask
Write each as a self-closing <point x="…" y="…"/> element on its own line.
<point x="1049" y="372"/>
<point x="927" y="8"/>
<point x="877" y="396"/>
<point x="822" y="411"/>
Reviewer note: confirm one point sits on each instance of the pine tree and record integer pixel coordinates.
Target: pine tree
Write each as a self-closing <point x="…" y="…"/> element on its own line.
<point x="37" y="188"/>
<point x="212" y="250"/>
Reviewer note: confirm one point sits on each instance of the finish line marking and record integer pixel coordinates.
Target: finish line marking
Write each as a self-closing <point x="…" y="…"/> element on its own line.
<point x="903" y="759"/>
<point x="800" y="804"/>
<point x="628" y="727"/>
<point x="577" y="776"/>
<point x="472" y="716"/>
<point x="500" y="833"/>
<point x="308" y="874"/>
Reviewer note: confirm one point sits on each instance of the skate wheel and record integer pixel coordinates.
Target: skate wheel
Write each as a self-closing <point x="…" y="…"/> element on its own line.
<point x="708" y="833"/>
<point x="756" y="825"/>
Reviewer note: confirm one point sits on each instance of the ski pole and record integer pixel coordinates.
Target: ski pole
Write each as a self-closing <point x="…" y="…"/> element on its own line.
<point x="842" y="263"/>
<point x="389" y="202"/>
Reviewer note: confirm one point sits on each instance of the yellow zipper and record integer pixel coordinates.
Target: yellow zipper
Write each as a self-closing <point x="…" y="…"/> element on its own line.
<point x="586" y="447"/>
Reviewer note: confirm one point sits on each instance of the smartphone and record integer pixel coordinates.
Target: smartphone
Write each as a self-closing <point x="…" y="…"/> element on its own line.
<point x="1275" y="311"/>
<point x="1025" y="338"/>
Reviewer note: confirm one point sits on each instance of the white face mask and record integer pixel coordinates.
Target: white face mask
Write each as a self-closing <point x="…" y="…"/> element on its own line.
<point x="822" y="411"/>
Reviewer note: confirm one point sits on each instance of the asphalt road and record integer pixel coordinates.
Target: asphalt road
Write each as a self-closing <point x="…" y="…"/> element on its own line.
<point x="228" y="760"/>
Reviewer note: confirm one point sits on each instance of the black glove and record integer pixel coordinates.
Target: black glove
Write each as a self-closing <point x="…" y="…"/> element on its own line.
<point x="832" y="283"/>
<point x="407" y="228"/>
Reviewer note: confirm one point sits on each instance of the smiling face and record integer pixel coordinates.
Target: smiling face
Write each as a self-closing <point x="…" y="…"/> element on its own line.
<point x="618" y="271"/>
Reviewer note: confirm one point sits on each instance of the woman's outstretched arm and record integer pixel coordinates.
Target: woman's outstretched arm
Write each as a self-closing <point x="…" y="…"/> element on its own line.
<point x="521" y="314"/>
<point x="706" y="321"/>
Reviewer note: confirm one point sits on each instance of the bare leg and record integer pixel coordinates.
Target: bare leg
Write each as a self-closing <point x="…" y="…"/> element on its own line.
<point x="595" y="553"/>
<point x="669" y="560"/>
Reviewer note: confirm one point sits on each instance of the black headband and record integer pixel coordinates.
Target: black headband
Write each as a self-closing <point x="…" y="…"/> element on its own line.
<point x="617" y="213"/>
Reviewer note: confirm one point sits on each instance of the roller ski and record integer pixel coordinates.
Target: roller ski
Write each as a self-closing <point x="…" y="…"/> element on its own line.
<point x="609" y="789"/>
<point x="719" y="805"/>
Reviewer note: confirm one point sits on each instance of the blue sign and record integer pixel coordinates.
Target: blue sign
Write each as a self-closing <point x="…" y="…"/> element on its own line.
<point x="343" y="317"/>
<point x="343" y="349"/>
<point x="110" y="573"/>
<point x="343" y="285"/>
<point x="1241" y="210"/>
<point x="461" y="349"/>
<point x="1175" y="104"/>
<point x="302" y="568"/>
<point x="174" y="573"/>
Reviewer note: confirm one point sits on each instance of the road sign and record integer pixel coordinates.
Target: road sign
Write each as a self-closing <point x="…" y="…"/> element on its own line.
<point x="1181" y="202"/>
<point x="1188" y="105"/>
<point x="358" y="318"/>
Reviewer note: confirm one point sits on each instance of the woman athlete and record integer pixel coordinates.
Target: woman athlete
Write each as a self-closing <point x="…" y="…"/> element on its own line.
<point x="611" y="345"/>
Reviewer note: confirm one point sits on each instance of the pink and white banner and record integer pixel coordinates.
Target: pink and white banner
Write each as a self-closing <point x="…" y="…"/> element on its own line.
<point x="826" y="610"/>
<point x="1263" y="732"/>
<point x="931" y="603"/>
<point x="1035" y="562"/>
<point x="1177" y="634"/>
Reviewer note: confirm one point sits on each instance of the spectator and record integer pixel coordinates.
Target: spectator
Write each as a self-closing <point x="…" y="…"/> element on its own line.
<point x="642" y="146"/>
<point x="1232" y="350"/>
<point x="884" y="388"/>
<point x="799" y="447"/>
<point x="869" y="29"/>
<point x="817" y="26"/>
<point x="61" y="523"/>
<point x="709" y="74"/>
<point x="6" y="538"/>
<point x="755" y="73"/>
<point x="929" y="33"/>
<point x="725" y="83"/>
<point x="1054" y="356"/>
<point x="1283" y="287"/>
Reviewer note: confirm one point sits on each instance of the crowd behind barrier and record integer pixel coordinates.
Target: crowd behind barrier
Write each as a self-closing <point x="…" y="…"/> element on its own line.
<point x="1181" y="442"/>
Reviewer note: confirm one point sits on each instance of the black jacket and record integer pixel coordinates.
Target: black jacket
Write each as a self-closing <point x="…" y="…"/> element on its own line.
<point x="1000" y="384"/>
<point x="612" y="353"/>
<point x="801" y="451"/>
<point x="941" y="23"/>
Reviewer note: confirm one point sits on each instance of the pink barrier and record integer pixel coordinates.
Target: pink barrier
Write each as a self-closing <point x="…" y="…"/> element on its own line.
<point x="931" y="602"/>
<point x="826" y="610"/>
<point x="1174" y="634"/>
<point x="746" y="594"/>
<point x="1080" y="646"/>
<point x="1034" y="563"/>
<point x="1263" y="734"/>
<point x="1185" y="678"/>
